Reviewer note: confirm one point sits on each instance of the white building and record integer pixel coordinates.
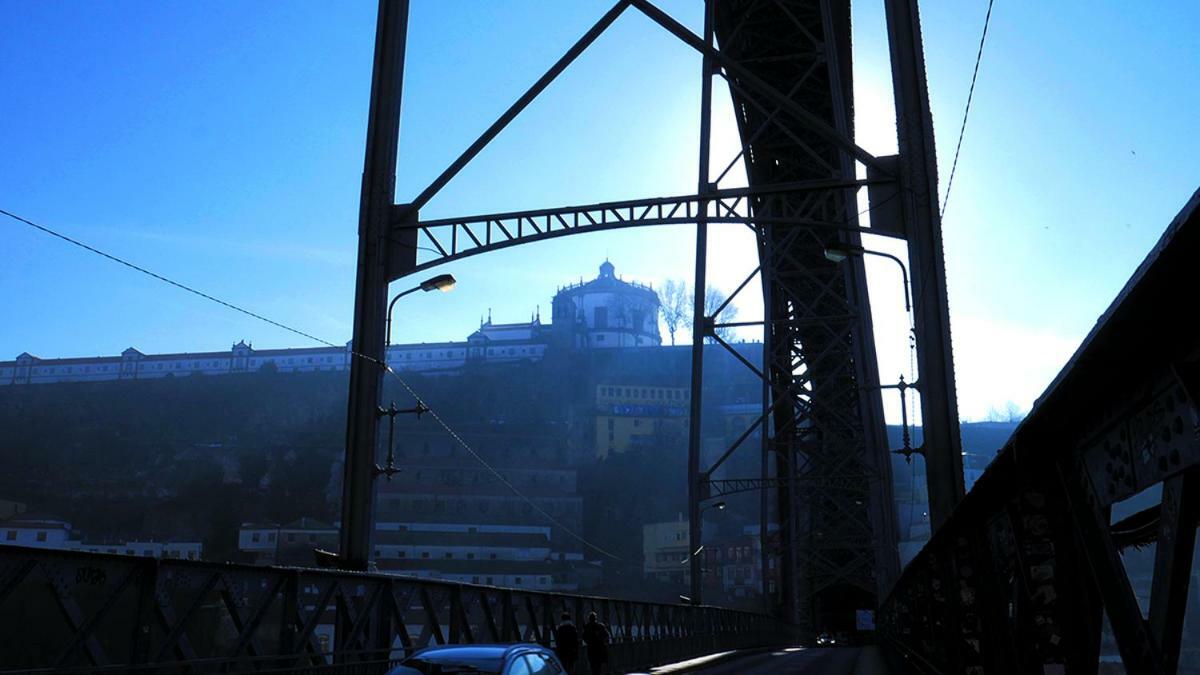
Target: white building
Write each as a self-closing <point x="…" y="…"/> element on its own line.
<point x="51" y="532"/>
<point x="603" y="313"/>
<point x="501" y="555"/>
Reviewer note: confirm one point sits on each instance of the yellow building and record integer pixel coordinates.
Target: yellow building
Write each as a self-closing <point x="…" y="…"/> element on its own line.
<point x="627" y="413"/>
<point x="664" y="550"/>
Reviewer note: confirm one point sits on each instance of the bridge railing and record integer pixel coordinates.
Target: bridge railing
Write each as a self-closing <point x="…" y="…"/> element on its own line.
<point x="1022" y="576"/>
<point x="62" y="610"/>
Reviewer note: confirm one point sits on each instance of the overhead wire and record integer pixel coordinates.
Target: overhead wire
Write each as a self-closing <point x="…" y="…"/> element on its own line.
<point x="387" y="368"/>
<point x="967" y="111"/>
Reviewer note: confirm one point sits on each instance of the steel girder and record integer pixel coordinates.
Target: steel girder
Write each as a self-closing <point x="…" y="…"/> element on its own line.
<point x="1022" y="574"/>
<point x="832" y="465"/>
<point x="65" y="610"/>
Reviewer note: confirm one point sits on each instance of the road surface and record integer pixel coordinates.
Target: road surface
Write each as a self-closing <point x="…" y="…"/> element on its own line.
<point x="790" y="661"/>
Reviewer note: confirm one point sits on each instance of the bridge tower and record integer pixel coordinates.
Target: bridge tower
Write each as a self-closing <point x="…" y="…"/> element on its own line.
<point x="788" y="67"/>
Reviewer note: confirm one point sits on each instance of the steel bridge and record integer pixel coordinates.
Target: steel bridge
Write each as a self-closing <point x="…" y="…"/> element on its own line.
<point x="1021" y="575"/>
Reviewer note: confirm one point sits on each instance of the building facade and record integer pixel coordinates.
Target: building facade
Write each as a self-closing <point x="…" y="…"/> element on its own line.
<point x="52" y="532"/>
<point x="665" y="551"/>
<point x="627" y="415"/>
<point x="606" y="312"/>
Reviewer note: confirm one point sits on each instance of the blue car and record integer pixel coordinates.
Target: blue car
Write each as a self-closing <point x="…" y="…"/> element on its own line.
<point x="518" y="659"/>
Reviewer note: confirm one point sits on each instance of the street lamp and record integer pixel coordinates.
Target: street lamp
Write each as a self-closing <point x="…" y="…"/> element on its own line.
<point x="442" y="282"/>
<point x="694" y="557"/>
<point x="840" y="251"/>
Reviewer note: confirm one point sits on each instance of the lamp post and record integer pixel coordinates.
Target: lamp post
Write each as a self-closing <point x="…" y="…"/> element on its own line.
<point x="361" y="469"/>
<point x="697" y="587"/>
<point x="839" y="252"/>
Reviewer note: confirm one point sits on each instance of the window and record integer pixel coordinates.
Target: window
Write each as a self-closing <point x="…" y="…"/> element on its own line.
<point x="538" y="665"/>
<point x="271" y="536"/>
<point x="492" y="556"/>
<point x="449" y="556"/>
<point x="520" y="666"/>
<point x="400" y="554"/>
<point x="470" y="556"/>
<point x="41" y="536"/>
<point x="256" y="537"/>
<point x="518" y="580"/>
<point x="11" y="535"/>
<point x="291" y="536"/>
<point x="600" y="319"/>
<point x="424" y="554"/>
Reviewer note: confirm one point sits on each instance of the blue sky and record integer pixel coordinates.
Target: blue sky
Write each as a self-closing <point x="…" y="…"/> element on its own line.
<point x="221" y="143"/>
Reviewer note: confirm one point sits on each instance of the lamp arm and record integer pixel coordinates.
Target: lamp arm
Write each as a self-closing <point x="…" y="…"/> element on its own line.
<point x="903" y="273"/>
<point x="388" y="340"/>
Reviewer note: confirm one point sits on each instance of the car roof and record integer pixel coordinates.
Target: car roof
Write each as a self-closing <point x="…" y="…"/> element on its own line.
<point x="478" y="651"/>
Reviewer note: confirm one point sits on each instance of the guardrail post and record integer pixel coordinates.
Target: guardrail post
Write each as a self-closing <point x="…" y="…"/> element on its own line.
<point x="143" y="618"/>
<point x="288" y="627"/>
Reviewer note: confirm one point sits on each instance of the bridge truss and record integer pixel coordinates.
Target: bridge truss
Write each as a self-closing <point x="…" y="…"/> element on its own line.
<point x="1028" y="571"/>
<point x="824" y="451"/>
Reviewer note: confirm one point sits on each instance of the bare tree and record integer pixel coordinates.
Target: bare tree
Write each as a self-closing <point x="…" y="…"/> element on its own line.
<point x="676" y="305"/>
<point x="1012" y="413"/>
<point x="713" y="299"/>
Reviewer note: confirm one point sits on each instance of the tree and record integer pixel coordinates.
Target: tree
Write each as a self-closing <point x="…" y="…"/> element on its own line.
<point x="1012" y="413"/>
<point x="713" y="299"/>
<point x="676" y="304"/>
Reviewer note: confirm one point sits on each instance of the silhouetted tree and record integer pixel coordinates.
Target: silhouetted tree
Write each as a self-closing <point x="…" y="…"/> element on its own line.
<point x="675" y="305"/>
<point x="713" y="299"/>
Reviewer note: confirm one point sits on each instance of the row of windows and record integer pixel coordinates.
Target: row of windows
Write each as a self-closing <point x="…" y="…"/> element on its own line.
<point x="646" y="392"/>
<point x="508" y="506"/>
<point x="426" y="555"/>
<point x="11" y="535"/>
<point x="516" y="477"/>
<point x="186" y="365"/>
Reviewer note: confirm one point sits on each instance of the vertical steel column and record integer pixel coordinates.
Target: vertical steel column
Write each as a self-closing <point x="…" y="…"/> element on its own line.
<point x="764" y="513"/>
<point x="370" y="292"/>
<point x="931" y="313"/>
<point x="700" y="322"/>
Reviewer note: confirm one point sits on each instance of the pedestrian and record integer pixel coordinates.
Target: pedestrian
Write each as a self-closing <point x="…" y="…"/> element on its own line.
<point x="566" y="643"/>
<point x="596" y="635"/>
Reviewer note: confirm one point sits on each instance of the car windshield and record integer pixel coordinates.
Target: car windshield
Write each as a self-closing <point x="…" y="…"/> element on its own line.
<point x="445" y="665"/>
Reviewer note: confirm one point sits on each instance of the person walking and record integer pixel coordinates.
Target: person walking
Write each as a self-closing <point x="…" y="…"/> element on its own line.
<point x="566" y="643"/>
<point x="596" y="635"/>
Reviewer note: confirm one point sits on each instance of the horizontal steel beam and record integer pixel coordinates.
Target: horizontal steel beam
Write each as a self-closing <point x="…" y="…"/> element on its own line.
<point x="450" y="239"/>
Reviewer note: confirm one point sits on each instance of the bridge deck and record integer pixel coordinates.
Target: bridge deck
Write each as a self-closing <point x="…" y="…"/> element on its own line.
<point x="785" y="661"/>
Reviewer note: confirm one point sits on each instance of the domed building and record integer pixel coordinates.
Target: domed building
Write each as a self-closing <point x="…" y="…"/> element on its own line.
<point x="606" y="312"/>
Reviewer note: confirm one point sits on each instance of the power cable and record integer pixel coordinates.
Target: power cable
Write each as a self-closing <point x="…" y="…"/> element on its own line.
<point x="970" y="94"/>
<point x="459" y="439"/>
<point x="143" y="270"/>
